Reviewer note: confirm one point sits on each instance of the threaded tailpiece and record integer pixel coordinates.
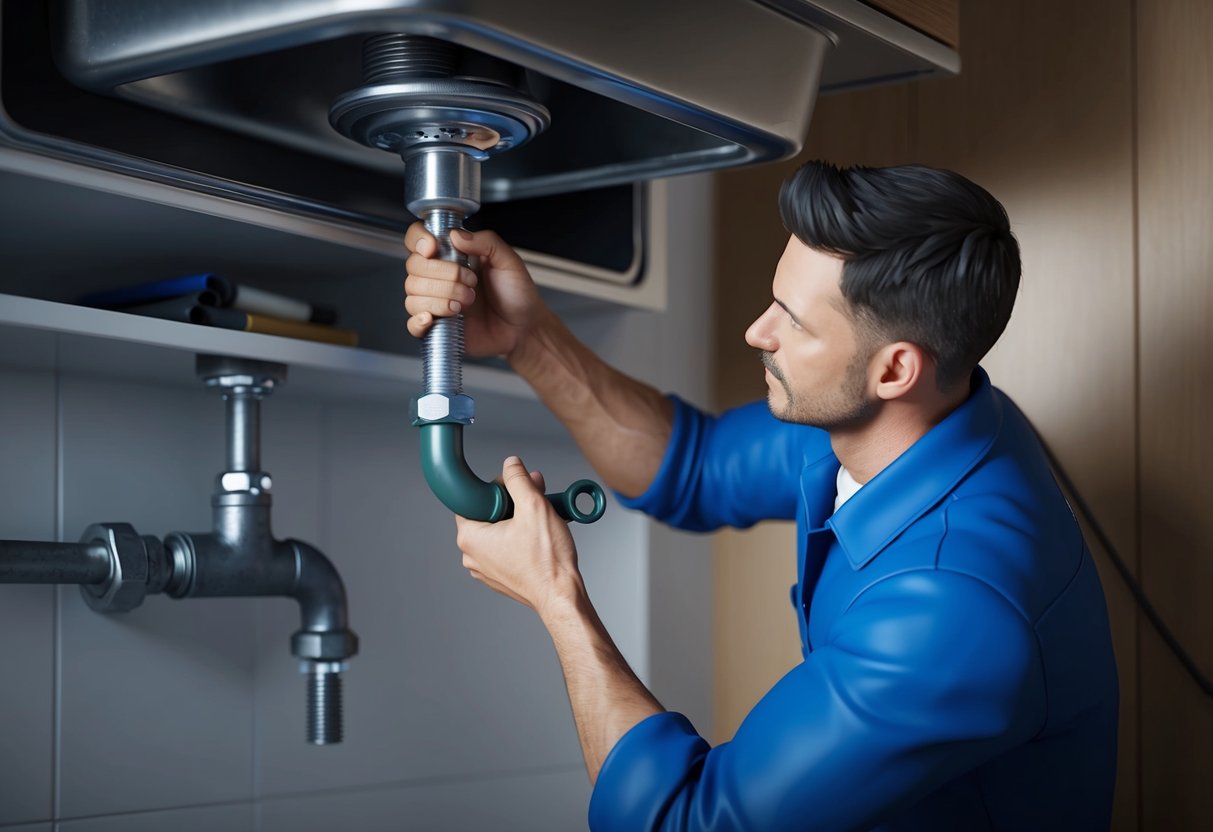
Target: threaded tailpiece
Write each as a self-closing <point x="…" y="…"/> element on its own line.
<point x="441" y="223"/>
<point x="442" y="348"/>
<point x="324" y="708"/>
<point x="387" y="58"/>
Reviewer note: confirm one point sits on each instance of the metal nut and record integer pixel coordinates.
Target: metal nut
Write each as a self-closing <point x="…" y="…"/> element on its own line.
<point x="127" y="585"/>
<point x="441" y="407"/>
<point x="227" y="371"/>
<point x="433" y="406"/>
<point x="238" y="482"/>
<point x="235" y="481"/>
<point x="329" y="646"/>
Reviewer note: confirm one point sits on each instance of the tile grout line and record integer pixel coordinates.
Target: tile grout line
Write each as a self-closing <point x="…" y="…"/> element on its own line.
<point x="413" y="783"/>
<point x="188" y="807"/>
<point x="437" y="780"/>
<point x="57" y="610"/>
<point x="256" y="669"/>
<point x="324" y="498"/>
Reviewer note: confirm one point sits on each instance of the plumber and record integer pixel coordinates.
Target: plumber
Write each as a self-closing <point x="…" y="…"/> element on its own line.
<point x="957" y="668"/>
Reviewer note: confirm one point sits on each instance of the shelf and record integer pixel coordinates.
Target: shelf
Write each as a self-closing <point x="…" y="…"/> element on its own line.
<point x="121" y="227"/>
<point x="40" y="334"/>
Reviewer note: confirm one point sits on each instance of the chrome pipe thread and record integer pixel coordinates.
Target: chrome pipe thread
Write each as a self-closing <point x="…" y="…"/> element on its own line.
<point x="389" y="57"/>
<point x="324" y="709"/>
<point x="442" y="348"/>
<point x="441" y="223"/>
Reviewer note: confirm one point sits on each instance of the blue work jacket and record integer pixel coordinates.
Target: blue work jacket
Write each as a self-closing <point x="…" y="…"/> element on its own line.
<point x="958" y="670"/>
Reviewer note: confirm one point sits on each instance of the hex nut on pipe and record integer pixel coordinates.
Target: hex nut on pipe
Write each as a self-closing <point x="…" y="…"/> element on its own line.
<point x="441" y="407"/>
<point x="332" y="646"/>
<point x="127" y="584"/>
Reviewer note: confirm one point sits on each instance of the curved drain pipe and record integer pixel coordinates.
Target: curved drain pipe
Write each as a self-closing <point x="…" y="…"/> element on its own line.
<point x="460" y="490"/>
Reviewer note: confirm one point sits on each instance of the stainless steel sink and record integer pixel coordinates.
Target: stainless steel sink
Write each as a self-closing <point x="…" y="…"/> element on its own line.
<point x="234" y="96"/>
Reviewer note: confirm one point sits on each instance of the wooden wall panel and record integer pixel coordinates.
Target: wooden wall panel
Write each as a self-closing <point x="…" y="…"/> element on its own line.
<point x="1175" y="187"/>
<point x="938" y="18"/>
<point x="1041" y="115"/>
<point x="754" y="633"/>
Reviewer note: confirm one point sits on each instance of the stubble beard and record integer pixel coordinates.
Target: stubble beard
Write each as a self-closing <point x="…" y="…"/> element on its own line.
<point x="844" y="407"/>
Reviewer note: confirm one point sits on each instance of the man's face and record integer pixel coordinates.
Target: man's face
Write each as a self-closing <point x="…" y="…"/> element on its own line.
<point x="816" y="369"/>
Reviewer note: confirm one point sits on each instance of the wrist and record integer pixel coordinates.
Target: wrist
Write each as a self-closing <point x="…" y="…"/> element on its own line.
<point x="567" y="600"/>
<point x="530" y="343"/>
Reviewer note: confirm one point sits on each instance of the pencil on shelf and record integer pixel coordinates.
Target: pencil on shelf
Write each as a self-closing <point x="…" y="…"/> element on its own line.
<point x="268" y="325"/>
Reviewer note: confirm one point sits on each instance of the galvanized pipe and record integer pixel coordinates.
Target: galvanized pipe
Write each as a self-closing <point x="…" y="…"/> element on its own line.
<point x="36" y="562"/>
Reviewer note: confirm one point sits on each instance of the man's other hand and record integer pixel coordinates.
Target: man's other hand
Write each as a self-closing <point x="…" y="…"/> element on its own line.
<point x="498" y="307"/>
<point x="531" y="557"/>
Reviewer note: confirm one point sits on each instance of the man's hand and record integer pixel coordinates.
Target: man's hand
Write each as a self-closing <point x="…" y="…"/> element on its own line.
<point x="508" y="301"/>
<point x="530" y="557"/>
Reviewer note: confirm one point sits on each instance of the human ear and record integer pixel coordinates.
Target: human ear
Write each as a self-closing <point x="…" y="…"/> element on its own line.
<point x="900" y="367"/>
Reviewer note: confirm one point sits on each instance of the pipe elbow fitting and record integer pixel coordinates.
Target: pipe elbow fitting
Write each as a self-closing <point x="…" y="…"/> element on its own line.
<point x="453" y="482"/>
<point x="460" y="490"/>
<point x="324" y="634"/>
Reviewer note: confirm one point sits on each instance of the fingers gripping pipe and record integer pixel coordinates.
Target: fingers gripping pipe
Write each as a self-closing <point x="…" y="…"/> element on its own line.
<point x="443" y="125"/>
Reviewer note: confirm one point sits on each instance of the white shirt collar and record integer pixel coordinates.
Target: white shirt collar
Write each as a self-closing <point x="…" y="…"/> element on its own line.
<point x="847" y="486"/>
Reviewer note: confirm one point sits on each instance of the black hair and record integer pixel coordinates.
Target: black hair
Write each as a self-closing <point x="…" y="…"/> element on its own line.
<point x="928" y="256"/>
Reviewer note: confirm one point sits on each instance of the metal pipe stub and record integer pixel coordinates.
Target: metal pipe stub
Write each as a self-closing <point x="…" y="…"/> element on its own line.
<point x="442" y="179"/>
<point x="243" y="382"/>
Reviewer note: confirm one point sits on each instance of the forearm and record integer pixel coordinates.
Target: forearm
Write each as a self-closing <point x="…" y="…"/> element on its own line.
<point x="620" y="424"/>
<point x="607" y="698"/>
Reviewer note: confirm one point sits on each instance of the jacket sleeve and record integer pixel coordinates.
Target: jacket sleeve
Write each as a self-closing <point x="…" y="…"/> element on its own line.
<point x="928" y="675"/>
<point x="730" y="470"/>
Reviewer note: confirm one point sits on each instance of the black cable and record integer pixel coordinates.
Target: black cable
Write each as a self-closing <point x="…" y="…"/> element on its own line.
<point x="1143" y="601"/>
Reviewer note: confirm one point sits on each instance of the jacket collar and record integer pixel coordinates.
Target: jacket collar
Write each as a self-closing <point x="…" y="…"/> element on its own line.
<point x="918" y="479"/>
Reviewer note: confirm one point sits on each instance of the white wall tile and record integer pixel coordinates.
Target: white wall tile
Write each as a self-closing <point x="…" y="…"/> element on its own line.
<point x="552" y="801"/>
<point x="452" y="678"/>
<point x="27" y="455"/>
<point x="156" y="704"/>
<point x="27" y="512"/>
<point x="679" y="583"/>
<point x="234" y="818"/>
<point x="672" y="350"/>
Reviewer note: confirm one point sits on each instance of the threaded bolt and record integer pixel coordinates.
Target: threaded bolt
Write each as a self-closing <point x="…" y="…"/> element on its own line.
<point x="441" y="223"/>
<point x="387" y="58"/>
<point x="442" y="349"/>
<point x="324" y="706"/>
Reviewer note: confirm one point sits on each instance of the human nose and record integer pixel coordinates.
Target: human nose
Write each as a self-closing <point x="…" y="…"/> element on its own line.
<point x="761" y="333"/>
